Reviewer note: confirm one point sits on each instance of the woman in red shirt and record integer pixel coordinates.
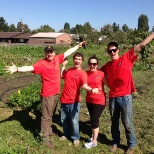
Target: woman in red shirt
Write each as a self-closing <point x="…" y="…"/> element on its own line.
<point x="95" y="102"/>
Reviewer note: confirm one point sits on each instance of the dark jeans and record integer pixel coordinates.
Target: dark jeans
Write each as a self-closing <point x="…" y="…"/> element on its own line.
<point x="48" y="107"/>
<point x="122" y="106"/>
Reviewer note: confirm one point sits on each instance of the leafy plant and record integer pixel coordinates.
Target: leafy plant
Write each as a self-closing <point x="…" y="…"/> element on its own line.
<point x="27" y="97"/>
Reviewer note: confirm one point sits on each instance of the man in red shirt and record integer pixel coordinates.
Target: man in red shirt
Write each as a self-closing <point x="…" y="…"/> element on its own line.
<point x="49" y="69"/>
<point x="75" y="78"/>
<point x="119" y="75"/>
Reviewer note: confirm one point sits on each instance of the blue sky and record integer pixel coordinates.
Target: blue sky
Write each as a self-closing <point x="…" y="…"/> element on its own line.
<point x="36" y="13"/>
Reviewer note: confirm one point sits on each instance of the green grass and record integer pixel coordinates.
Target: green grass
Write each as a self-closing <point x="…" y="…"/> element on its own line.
<point x="20" y="128"/>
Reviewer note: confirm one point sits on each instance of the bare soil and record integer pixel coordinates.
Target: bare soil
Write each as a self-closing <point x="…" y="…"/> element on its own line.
<point x="13" y="83"/>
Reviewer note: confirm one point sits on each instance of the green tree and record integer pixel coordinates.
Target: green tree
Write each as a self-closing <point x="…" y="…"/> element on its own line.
<point x="26" y="29"/>
<point x="12" y="28"/>
<point x="107" y="30"/>
<point x="67" y="27"/>
<point x="3" y="25"/>
<point x="143" y="23"/>
<point x="153" y="29"/>
<point x="87" y="28"/>
<point x="78" y="29"/>
<point x="23" y="28"/>
<point x="125" y="28"/>
<point x="115" y="27"/>
<point x="45" y="28"/>
<point x="20" y="27"/>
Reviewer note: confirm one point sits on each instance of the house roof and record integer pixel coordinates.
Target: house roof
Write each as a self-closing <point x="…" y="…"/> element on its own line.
<point x="23" y="36"/>
<point x="47" y="34"/>
<point x="9" y="34"/>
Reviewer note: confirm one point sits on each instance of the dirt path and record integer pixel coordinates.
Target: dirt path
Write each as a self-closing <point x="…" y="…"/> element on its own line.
<point x="14" y="83"/>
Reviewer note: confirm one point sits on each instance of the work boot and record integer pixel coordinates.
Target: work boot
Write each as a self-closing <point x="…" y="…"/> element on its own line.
<point x="49" y="144"/>
<point x="113" y="148"/>
<point x="76" y="143"/>
<point x="129" y="151"/>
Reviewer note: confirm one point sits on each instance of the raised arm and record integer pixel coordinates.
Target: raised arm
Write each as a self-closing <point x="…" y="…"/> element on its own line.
<point x="63" y="68"/>
<point x="141" y="45"/>
<point x="71" y="50"/>
<point x="14" y="68"/>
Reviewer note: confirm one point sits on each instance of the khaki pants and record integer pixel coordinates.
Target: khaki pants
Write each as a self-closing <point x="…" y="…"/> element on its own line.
<point x="48" y="107"/>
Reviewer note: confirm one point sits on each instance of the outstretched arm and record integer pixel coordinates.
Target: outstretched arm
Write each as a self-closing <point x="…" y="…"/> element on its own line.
<point x="93" y="90"/>
<point x="14" y="68"/>
<point x="71" y="50"/>
<point x="141" y="45"/>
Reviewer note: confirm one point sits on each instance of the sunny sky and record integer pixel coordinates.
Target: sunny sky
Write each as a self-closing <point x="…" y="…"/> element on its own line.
<point x="36" y="13"/>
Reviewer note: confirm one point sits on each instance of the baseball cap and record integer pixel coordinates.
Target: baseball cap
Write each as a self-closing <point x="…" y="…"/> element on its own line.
<point x="49" y="48"/>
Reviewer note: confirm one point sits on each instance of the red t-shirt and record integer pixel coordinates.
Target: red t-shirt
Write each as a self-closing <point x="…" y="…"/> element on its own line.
<point x="50" y="75"/>
<point x="119" y="74"/>
<point x="74" y="79"/>
<point x="95" y="80"/>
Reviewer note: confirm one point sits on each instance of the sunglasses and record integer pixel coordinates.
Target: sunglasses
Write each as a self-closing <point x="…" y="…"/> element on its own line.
<point x="114" y="50"/>
<point x="94" y="64"/>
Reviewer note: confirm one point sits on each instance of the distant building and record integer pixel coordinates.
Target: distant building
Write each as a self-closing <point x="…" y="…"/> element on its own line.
<point x="22" y="38"/>
<point x="50" y="38"/>
<point x="7" y="37"/>
<point x="39" y="38"/>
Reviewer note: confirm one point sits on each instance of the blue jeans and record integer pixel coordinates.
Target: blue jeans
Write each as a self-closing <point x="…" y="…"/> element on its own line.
<point x="70" y="120"/>
<point x="122" y="106"/>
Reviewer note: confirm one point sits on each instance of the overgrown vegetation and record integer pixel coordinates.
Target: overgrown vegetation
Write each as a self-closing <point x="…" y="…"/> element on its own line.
<point x="20" y="121"/>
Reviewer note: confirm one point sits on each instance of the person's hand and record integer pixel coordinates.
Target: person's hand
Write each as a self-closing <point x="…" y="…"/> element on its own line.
<point x="11" y="69"/>
<point x="83" y="44"/>
<point x="95" y="91"/>
<point x="65" y="62"/>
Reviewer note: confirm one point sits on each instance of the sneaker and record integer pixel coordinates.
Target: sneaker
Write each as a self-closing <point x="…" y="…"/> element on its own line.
<point x="90" y="145"/>
<point x="76" y="143"/>
<point x="49" y="144"/>
<point x="91" y="139"/>
<point x="129" y="151"/>
<point x="113" y="148"/>
<point x="63" y="138"/>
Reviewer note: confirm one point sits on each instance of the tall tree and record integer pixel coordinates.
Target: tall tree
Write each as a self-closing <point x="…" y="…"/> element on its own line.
<point x="26" y="29"/>
<point x="23" y="27"/>
<point x="66" y="27"/>
<point x="78" y="29"/>
<point x="87" y="28"/>
<point x="125" y="28"/>
<point x="20" y="27"/>
<point x="12" y="28"/>
<point x="153" y="29"/>
<point x="115" y="27"/>
<point x="143" y="23"/>
<point x="3" y="25"/>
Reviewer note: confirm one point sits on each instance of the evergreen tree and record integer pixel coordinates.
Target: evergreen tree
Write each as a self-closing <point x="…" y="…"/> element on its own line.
<point x="153" y="29"/>
<point x="143" y="23"/>
<point x="12" y="28"/>
<point x="66" y="27"/>
<point x="125" y="28"/>
<point x="3" y="25"/>
<point x="115" y="27"/>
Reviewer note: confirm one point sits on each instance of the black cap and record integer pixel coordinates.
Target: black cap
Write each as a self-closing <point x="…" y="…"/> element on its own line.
<point x="49" y="48"/>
